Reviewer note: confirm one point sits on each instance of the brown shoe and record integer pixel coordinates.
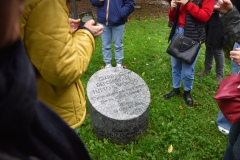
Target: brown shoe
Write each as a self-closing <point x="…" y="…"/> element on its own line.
<point x="203" y="73"/>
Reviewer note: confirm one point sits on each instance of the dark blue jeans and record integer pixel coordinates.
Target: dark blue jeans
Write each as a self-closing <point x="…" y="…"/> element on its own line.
<point x="233" y="148"/>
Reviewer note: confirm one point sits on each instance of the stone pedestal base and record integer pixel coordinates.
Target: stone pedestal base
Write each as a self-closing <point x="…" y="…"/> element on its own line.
<point x="119" y="101"/>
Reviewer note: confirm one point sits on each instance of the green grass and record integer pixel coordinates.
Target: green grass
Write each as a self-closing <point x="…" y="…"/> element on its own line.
<point x="191" y="130"/>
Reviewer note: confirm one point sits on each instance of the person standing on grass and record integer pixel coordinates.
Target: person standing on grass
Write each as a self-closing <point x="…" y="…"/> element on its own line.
<point x="231" y="20"/>
<point x="215" y="42"/>
<point x="189" y="14"/>
<point x="29" y="129"/>
<point x="60" y="52"/>
<point x="223" y="124"/>
<point x="112" y="14"/>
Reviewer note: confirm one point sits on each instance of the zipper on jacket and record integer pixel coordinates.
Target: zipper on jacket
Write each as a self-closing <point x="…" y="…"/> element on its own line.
<point x="107" y="12"/>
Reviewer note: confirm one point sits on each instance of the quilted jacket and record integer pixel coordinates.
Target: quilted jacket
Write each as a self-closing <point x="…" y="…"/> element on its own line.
<point x="113" y="12"/>
<point x="59" y="56"/>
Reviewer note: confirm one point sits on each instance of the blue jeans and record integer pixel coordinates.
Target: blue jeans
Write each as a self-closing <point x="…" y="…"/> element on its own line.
<point x="233" y="148"/>
<point x="235" y="67"/>
<point x="221" y="120"/>
<point x="182" y="71"/>
<point x="115" y="34"/>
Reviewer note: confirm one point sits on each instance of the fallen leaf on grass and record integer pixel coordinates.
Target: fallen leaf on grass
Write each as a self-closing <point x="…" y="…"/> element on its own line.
<point x="143" y="74"/>
<point x="180" y="107"/>
<point x="170" y="149"/>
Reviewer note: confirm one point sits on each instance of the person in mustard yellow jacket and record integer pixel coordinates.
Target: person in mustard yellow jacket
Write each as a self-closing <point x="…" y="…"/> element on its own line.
<point x="59" y="55"/>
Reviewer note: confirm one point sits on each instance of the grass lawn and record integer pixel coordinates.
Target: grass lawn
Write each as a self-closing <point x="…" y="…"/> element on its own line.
<point x="191" y="131"/>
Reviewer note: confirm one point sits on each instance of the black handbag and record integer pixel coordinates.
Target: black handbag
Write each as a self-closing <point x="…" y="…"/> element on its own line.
<point x="184" y="49"/>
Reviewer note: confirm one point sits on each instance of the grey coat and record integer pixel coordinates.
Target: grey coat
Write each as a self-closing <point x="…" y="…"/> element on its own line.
<point x="231" y="22"/>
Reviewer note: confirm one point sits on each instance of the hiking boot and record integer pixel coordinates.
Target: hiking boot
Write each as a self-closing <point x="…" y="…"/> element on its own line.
<point x="203" y="73"/>
<point x="175" y="91"/>
<point x="188" y="98"/>
<point x="219" y="78"/>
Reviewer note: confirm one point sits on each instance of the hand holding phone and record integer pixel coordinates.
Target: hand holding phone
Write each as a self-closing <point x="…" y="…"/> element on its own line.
<point x="86" y="16"/>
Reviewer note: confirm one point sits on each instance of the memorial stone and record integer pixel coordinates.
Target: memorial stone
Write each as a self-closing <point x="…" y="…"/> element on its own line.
<point x="119" y="104"/>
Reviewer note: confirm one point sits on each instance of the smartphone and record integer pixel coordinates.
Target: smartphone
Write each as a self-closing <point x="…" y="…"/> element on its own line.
<point x="85" y="16"/>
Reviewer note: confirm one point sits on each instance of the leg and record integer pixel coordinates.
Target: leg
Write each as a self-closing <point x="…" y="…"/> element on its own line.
<point x="188" y="78"/>
<point x="118" y="32"/>
<point x="106" y="37"/>
<point x="223" y="124"/>
<point x="207" y="62"/>
<point x="176" y="72"/>
<point x="188" y="74"/>
<point x="176" y="78"/>
<point x="232" y="151"/>
<point x="208" y="59"/>
<point x="219" y="59"/>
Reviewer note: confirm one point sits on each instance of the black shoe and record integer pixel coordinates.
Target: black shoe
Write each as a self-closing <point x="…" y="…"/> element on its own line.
<point x="175" y="91"/>
<point x="188" y="98"/>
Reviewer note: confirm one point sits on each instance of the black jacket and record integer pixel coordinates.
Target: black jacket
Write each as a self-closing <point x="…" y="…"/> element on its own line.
<point x="29" y="128"/>
<point x="216" y="35"/>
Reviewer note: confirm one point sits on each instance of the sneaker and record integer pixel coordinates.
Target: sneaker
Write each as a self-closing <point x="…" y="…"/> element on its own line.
<point x="219" y="79"/>
<point x="108" y="66"/>
<point x="119" y="65"/>
<point x="203" y="73"/>
<point x="223" y="131"/>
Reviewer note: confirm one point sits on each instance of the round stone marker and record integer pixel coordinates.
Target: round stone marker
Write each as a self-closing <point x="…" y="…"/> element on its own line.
<point x="119" y="101"/>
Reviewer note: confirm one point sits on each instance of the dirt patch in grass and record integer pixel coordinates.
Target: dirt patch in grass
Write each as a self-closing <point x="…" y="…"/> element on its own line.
<point x="144" y="9"/>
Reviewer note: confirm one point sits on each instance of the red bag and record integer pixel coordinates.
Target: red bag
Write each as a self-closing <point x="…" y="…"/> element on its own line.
<point x="228" y="98"/>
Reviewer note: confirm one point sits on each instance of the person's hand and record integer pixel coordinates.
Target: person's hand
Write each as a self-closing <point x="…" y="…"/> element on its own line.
<point x="235" y="56"/>
<point x="181" y="1"/>
<point x="223" y="6"/>
<point x="173" y="4"/>
<point x="74" y="24"/>
<point x="95" y="29"/>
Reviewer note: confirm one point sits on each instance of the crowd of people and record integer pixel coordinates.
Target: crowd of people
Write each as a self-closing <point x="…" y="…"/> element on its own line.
<point x="41" y="95"/>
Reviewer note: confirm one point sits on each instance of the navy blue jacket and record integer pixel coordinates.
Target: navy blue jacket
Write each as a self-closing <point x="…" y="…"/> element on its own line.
<point x="28" y="127"/>
<point x="113" y="12"/>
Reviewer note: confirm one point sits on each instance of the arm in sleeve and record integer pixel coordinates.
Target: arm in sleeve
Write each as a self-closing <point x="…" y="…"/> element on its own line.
<point x="172" y="14"/>
<point x="127" y="9"/>
<point x="96" y="3"/>
<point x="60" y="56"/>
<point x="231" y="22"/>
<point x="202" y="14"/>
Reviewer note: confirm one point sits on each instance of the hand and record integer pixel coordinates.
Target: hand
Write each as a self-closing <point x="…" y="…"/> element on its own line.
<point x="235" y="56"/>
<point x="181" y="1"/>
<point x="95" y="29"/>
<point x="173" y="4"/>
<point x="223" y="6"/>
<point x="74" y="24"/>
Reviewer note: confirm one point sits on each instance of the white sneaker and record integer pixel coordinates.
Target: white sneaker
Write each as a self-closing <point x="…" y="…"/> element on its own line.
<point x="108" y="66"/>
<point x="119" y="65"/>
<point x="223" y="131"/>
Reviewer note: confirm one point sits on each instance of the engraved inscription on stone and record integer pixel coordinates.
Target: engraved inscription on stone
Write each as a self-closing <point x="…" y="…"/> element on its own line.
<point x="119" y="101"/>
<point x="118" y="93"/>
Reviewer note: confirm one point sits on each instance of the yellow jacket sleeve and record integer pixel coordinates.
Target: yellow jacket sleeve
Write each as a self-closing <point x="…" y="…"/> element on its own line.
<point x="60" y="56"/>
